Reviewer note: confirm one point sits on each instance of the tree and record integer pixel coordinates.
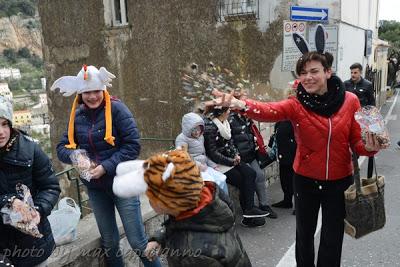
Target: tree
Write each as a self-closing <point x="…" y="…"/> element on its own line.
<point x="24" y="52"/>
<point x="10" y="54"/>
<point x="390" y="31"/>
<point x="36" y="61"/>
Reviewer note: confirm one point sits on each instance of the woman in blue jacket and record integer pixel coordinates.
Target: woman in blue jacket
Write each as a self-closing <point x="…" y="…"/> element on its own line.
<point x="91" y="128"/>
<point x="23" y="162"/>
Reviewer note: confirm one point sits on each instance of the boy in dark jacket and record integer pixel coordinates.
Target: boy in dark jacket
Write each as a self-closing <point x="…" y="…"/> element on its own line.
<point x="22" y="162"/>
<point x="200" y="229"/>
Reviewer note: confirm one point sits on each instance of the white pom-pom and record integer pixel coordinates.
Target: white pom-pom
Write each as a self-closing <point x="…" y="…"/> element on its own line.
<point x="129" y="180"/>
<point x="129" y="166"/>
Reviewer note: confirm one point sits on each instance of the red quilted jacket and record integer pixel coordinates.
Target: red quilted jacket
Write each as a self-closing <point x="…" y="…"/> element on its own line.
<point x="323" y="144"/>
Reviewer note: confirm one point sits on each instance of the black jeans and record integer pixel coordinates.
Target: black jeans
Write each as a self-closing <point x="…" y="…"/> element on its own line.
<point x="286" y="177"/>
<point x="243" y="177"/>
<point x="310" y="195"/>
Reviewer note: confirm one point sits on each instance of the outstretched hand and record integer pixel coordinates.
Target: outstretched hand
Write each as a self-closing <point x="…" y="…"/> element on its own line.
<point x="225" y="100"/>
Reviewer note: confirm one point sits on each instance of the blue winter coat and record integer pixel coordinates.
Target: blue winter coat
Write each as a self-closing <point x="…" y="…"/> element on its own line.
<point x="89" y="135"/>
<point x="26" y="163"/>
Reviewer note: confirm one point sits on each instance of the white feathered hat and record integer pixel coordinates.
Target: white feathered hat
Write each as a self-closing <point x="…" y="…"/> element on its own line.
<point x="88" y="79"/>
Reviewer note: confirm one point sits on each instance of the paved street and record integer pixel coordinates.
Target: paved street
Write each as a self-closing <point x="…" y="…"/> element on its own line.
<point x="273" y="244"/>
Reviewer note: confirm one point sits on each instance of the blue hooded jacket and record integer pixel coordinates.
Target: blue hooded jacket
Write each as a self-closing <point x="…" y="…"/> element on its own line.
<point x="89" y="135"/>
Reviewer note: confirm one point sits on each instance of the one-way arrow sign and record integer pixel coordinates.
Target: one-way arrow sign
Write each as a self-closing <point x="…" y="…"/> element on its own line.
<point x="308" y="13"/>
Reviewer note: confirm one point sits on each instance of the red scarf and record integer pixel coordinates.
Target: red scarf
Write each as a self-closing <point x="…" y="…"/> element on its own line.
<point x="259" y="139"/>
<point x="207" y="195"/>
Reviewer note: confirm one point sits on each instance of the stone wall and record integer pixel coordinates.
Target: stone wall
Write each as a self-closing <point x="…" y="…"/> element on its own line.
<point x="146" y="56"/>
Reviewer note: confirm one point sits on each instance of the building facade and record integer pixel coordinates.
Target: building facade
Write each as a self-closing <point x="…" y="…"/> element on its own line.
<point x="146" y="44"/>
<point x="5" y="91"/>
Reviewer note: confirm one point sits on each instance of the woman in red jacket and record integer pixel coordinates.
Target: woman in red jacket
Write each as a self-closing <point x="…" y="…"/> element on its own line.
<point x="322" y="114"/>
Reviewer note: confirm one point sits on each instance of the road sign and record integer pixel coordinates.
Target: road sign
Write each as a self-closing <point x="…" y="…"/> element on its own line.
<point x="308" y="13"/>
<point x="331" y="41"/>
<point x="291" y="53"/>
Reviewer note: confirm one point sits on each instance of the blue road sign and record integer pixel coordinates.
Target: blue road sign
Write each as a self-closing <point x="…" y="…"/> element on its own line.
<point x="308" y="13"/>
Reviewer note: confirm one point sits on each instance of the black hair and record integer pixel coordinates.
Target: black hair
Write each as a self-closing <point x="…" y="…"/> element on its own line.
<point x="325" y="60"/>
<point x="356" y="66"/>
<point x="218" y="111"/>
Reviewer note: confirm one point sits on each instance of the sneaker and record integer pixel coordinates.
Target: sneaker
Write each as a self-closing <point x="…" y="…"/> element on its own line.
<point x="255" y="213"/>
<point x="272" y="214"/>
<point x="252" y="222"/>
<point x="283" y="205"/>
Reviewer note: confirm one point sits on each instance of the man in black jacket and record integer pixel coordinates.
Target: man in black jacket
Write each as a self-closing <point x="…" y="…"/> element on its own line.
<point x="359" y="86"/>
<point x="364" y="90"/>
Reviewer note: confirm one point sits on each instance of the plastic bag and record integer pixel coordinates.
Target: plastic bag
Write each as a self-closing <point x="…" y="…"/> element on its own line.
<point x="217" y="177"/>
<point x="64" y="221"/>
<point x="371" y="120"/>
<point x="14" y="217"/>
<point x="82" y="163"/>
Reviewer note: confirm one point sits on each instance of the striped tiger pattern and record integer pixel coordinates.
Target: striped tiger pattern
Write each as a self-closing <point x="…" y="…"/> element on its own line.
<point x="181" y="191"/>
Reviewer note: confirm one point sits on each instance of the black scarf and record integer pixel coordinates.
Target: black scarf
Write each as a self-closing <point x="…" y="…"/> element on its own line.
<point x="327" y="104"/>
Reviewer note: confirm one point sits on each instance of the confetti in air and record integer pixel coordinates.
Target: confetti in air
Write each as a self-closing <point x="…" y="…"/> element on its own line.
<point x="198" y="84"/>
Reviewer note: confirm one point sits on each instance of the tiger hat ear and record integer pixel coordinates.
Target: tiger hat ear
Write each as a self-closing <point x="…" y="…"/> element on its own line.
<point x="129" y="180"/>
<point x="168" y="172"/>
<point x="320" y="40"/>
<point x="301" y="43"/>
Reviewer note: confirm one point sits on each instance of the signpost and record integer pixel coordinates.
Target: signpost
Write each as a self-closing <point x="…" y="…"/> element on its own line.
<point x="291" y="53"/>
<point x="331" y="43"/>
<point x="308" y="13"/>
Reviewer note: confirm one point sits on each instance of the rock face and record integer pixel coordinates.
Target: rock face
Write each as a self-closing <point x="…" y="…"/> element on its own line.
<point x="17" y="32"/>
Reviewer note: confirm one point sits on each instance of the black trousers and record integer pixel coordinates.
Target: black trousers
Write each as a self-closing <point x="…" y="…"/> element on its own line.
<point x="310" y="195"/>
<point x="286" y="177"/>
<point x="243" y="177"/>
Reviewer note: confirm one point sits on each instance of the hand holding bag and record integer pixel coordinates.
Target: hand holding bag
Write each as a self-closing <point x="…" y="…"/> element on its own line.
<point x="365" y="205"/>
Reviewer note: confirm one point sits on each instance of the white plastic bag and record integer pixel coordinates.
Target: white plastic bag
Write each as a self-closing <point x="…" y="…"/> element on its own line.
<point x="217" y="177"/>
<point x="64" y="221"/>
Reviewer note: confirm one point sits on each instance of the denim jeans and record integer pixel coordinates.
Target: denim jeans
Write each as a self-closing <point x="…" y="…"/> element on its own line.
<point x="103" y="203"/>
<point x="261" y="186"/>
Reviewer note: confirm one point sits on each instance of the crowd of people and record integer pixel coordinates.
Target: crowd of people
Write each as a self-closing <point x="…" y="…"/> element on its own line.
<point x="314" y="134"/>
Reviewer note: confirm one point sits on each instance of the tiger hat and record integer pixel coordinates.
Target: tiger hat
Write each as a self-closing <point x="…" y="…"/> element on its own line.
<point x="171" y="180"/>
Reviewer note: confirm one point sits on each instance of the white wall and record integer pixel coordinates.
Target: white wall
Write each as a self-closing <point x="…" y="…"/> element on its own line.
<point x="279" y="80"/>
<point x="360" y="13"/>
<point x="351" y="49"/>
<point x="267" y="13"/>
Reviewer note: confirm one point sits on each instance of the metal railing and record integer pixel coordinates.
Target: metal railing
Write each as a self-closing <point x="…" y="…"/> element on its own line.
<point x="74" y="178"/>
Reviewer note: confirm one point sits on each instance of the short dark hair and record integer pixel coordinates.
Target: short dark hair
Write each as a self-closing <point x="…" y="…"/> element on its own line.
<point x="326" y="61"/>
<point x="356" y="66"/>
<point x="218" y="111"/>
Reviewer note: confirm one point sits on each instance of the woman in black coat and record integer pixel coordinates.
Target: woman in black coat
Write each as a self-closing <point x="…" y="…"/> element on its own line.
<point x="286" y="144"/>
<point x="23" y="162"/>
<point x="221" y="149"/>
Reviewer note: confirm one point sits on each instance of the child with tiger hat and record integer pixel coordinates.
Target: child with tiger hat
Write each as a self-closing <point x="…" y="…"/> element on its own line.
<point x="200" y="229"/>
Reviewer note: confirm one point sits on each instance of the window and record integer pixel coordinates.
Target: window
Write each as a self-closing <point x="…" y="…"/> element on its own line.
<point x="233" y="10"/>
<point x="116" y="12"/>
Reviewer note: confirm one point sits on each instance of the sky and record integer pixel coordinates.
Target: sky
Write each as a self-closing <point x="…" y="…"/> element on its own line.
<point x="389" y="10"/>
